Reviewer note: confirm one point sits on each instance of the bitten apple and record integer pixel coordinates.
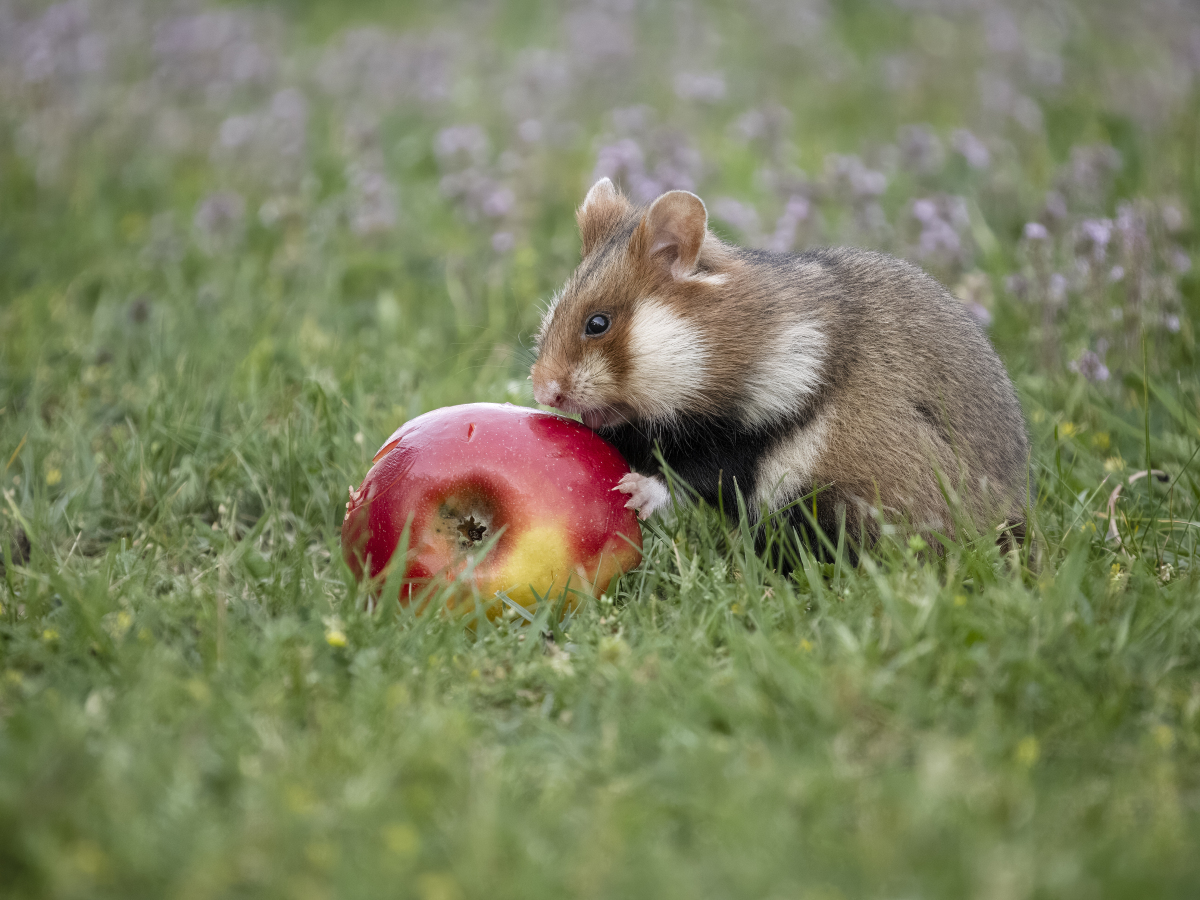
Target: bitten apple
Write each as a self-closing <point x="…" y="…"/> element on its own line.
<point x="540" y="486"/>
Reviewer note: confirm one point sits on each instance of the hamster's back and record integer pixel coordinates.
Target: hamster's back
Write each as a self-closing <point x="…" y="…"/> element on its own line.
<point x="907" y="367"/>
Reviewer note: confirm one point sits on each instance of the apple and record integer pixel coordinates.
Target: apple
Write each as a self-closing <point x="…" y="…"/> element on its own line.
<point x="534" y="488"/>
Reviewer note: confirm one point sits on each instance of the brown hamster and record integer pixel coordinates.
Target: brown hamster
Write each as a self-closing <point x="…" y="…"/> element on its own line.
<point x="844" y="372"/>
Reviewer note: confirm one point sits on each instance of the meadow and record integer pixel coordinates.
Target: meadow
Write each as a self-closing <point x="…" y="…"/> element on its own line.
<point x="240" y="243"/>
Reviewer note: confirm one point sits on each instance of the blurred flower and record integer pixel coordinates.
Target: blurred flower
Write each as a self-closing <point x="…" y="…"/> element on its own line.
<point x="971" y="148"/>
<point x="530" y="131"/>
<point x="164" y="245"/>
<point x="1045" y="68"/>
<point x="1057" y="287"/>
<point x="461" y="145"/>
<point x="1086" y="178"/>
<point x="539" y="82"/>
<point x="847" y="174"/>
<point x="497" y="201"/>
<point x="900" y="72"/>
<point x="1017" y="284"/>
<point x="943" y="220"/>
<point x="742" y="216"/>
<point x="975" y="291"/>
<point x="1001" y="31"/>
<point x="997" y="95"/>
<point x="768" y="126"/>
<point x="1173" y="217"/>
<point x="1026" y="112"/>
<point x="61" y="45"/>
<point x="372" y="201"/>
<point x="1090" y="366"/>
<point x="676" y="164"/>
<point x="622" y="161"/>
<point x="218" y="219"/>
<point x="705" y="87"/>
<point x="270" y="143"/>
<point x="211" y="53"/>
<point x="360" y="134"/>
<point x="1056" y="207"/>
<point x="1036" y="231"/>
<point x="372" y="67"/>
<point x="794" y="23"/>
<point x="634" y="120"/>
<point x="795" y="212"/>
<point x="920" y="149"/>
<point x="600" y="32"/>
<point x="1092" y="238"/>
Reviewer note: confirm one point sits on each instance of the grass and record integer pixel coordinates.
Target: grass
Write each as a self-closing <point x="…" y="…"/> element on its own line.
<point x="196" y="700"/>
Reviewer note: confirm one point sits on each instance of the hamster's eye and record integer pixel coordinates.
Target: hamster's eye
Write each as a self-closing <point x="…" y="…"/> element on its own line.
<point x="597" y="325"/>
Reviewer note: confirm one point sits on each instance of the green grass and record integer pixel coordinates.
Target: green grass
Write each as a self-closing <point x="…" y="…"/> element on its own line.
<point x="197" y="701"/>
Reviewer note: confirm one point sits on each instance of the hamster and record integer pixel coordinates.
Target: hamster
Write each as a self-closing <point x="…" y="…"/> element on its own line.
<point x="845" y="377"/>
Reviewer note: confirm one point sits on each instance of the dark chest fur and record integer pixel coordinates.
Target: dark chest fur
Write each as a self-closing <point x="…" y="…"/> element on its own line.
<point x="710" y="454"/>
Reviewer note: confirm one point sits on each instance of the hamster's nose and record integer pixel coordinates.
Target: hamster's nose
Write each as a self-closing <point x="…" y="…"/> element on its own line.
<point x="548" y="393"/>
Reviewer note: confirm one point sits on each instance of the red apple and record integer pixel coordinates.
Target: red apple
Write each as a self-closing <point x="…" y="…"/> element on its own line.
<point x="462" y="475"/>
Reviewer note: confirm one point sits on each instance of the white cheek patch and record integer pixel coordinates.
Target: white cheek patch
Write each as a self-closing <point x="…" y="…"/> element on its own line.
<point x="784" y="374"/>
<point x="668" y="362"/>
<point x="788" y="471"/>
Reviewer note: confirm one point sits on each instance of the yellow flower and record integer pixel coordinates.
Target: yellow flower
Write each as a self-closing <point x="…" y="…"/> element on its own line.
<point x="53" y="477"/>
<point x="1066" y="429"/>
<point x="402" y="839"/>
<point x="1164" y="736"/>
<point x="335" y="637"/>
<point x="1028" y="751"/>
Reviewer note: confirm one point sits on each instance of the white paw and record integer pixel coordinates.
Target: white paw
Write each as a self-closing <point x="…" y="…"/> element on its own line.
<point x="647" y="494"/>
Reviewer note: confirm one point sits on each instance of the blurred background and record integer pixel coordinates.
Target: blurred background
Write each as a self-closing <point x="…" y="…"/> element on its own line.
<point x="403" y="175"/>
<point x="240" y="243"/>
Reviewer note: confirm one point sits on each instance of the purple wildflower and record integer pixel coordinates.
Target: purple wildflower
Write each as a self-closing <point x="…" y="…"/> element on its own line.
<point x="373" y="201"/>
<point x="600" y="33"/>
<point x="372" y="67"/>
<point x="61" y="45"/>
<point x="848" y="174"/>
<point x="461" y="144"/>
<point x="796" y="211"/>
<point x="742" y="216"/>
<point x="1036" y="231"/>
<point x="1090" y="366"/>
<point x="920" y="149"/>
<point x="971" y="148"/>
<point x="218" y="219"/>
<point x="703" y="87"/>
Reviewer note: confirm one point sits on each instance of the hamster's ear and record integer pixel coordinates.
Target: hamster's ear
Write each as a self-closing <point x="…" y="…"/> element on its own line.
<point x="601" y="213"/>
<point x="673" y="231"/>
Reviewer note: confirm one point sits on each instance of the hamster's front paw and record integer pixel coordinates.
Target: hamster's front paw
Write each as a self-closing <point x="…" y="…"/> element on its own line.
<point x="647" y="494"/>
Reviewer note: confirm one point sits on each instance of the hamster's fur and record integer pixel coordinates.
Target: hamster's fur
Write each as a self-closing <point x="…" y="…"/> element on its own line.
<point x="845" y="372"/>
